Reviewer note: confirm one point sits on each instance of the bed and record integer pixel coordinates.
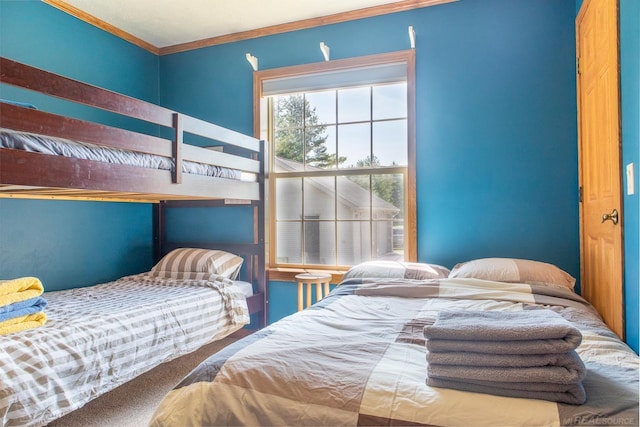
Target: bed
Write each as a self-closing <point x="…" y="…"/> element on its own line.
<point x="359" y="356"/>
<point x="117" y="148"/>
<point x="78" y="158"/>
<point x="87" y="160"/>
<point x="98" y="337"/>
<point x="44" y="155"/>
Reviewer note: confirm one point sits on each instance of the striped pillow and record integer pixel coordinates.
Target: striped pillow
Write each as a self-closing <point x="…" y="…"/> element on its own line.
<point x="201" y="261"/>
<point x="188" y="275"/>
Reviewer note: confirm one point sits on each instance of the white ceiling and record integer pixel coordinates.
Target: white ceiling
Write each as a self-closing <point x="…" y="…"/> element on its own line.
<point x="165" y="23"/>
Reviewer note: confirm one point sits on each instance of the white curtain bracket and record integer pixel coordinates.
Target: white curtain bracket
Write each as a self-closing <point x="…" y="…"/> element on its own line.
<point x="253" y="61"/>
<point x="412" y="37"/>
<point x="325" y="51"/>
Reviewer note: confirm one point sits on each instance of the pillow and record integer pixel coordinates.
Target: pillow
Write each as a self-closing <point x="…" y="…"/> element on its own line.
<point x="188" y="275"/>
<point x="514" y="271"/>
<point x="396" y="270"/>
<point x="201" y="261"/>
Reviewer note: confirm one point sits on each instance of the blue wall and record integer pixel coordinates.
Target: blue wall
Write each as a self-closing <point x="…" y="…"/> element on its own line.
<point x="71" y="244"/>
<point x="68" y="243"/>
<point x="42" y="36"/>
<point x="630" y="101"/>
<point x="496" y="132"/>
<point x="496" y="127"/>
<point x="207" y="225"/>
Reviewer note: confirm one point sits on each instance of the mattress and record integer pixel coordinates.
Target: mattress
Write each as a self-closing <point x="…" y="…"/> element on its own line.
<point x="245" y="287"/>
<point x="99" y="337"/>
<point x="80" y="150"/>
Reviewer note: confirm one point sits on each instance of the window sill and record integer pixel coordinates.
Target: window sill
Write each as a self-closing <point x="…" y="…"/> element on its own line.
<point x="289" y="274"/>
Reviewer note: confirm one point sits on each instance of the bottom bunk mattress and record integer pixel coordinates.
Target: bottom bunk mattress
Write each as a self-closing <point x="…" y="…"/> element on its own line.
<point x="96" y="338"/>
<point x="359" y="357"/>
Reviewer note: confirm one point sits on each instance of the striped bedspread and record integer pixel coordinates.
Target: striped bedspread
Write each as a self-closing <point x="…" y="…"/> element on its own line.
<point x="99" y="337"/>
<point x="358" y="357"/>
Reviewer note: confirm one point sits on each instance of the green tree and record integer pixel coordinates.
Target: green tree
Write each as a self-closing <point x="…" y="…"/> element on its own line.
<point x="385" y="186"/>
<point x="298" y="135"/>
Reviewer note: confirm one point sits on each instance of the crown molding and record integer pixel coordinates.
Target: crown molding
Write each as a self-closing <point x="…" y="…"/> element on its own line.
<point x="103" y="25"/>
<point x="336" y="18"/>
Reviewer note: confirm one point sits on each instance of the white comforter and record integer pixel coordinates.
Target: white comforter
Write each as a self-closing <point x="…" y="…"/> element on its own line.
<point x="358" y="357"/>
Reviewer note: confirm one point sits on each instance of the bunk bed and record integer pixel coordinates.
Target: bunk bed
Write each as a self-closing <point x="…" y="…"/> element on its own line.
<point x="92" y="345"/>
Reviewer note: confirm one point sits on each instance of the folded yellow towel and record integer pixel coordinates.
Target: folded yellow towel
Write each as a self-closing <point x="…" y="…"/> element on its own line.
<point x="22" y="323"/>
<point x="20" y="289"/>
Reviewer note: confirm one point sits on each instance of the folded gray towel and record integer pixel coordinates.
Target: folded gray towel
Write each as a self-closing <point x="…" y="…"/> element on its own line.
<point x="569" y="370"/>
<point x="573" y="394"/>
<point x="502" y="332"/>
<point x="529" y="354"/>
<point x="570" y="360"/>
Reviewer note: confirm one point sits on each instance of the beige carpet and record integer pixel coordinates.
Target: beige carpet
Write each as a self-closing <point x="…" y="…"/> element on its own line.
<point x="133" y="403"/>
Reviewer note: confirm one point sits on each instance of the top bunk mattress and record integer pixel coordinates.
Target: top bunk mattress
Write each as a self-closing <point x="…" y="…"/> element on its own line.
<point x="80" y="150"/>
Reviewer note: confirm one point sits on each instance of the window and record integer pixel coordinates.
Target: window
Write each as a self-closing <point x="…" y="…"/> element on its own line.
<point x="341" y="172"/>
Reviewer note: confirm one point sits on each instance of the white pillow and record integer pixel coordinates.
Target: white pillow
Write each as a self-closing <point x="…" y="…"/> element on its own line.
<point x="396" y="270"/>
<point x="514" y="270"/>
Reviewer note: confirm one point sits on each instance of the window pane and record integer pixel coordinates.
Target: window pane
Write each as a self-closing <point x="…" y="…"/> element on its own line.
<point x="354" y="242"/>
<point x="354" y="198"/>
<point x="289" y="242"/>
<point x="289" y="199"/>
<point x="288" y="146"/>
<point x="319" y="198"/>
<point x="382" y="239"/>
<point x="397" y="236"/>
<point x="354" y="145"/>
<point x="388" y="200"/>
<point x="319" y="242"/>
<point x="390" y="143"/>
<point x="390" y="101"/>
<point x="288" y="111"/>
<point x="322" y="107"/>
<point x="344" y="219"/>
<point x="354" y="105"/>
<point x="388" y="213"/>
<point x="321" y="147"/>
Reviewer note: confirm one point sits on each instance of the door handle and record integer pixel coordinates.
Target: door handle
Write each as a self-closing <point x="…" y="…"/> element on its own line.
<point x="613" y="217"/>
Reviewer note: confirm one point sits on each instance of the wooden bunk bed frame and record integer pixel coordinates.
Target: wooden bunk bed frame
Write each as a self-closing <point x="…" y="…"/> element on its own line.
<point x="252" y="252"/>
<point x="66" y="177"/>
<point x="58" y="177"/>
